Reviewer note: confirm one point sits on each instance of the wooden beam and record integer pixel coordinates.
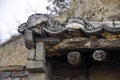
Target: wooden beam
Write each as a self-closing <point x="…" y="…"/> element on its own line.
<point x="87" y="43"/>
<point x="82" y="44"/>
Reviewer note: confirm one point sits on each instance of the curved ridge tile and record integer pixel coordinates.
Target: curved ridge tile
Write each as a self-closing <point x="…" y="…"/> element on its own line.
<point x="46" y="25"/>
<point x="113" y="30"/>
<point x="22" y="28"/>
<point x="93" y="32"/>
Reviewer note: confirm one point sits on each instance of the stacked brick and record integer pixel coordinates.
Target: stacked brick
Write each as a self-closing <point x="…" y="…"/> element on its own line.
<point x="36" y="63"/>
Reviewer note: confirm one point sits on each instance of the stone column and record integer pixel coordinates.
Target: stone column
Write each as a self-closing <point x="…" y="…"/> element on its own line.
<point x="36" y="64"/>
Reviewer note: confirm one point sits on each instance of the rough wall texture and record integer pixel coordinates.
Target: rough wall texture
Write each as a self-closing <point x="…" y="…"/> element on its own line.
<point x="13" y="52"/>
<point x="13" y="73"/>
<point x="99" y="10"/>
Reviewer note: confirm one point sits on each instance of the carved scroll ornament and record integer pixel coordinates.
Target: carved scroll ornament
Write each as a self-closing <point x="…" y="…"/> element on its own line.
<point x="42" y="26"/>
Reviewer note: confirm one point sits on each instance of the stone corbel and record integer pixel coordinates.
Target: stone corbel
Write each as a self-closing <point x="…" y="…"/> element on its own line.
<point x="37" y="65"/>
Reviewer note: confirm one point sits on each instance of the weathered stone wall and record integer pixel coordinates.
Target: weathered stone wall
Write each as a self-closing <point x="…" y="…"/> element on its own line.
<point x="13" y="52"/>
<point x="13" y="73"/>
